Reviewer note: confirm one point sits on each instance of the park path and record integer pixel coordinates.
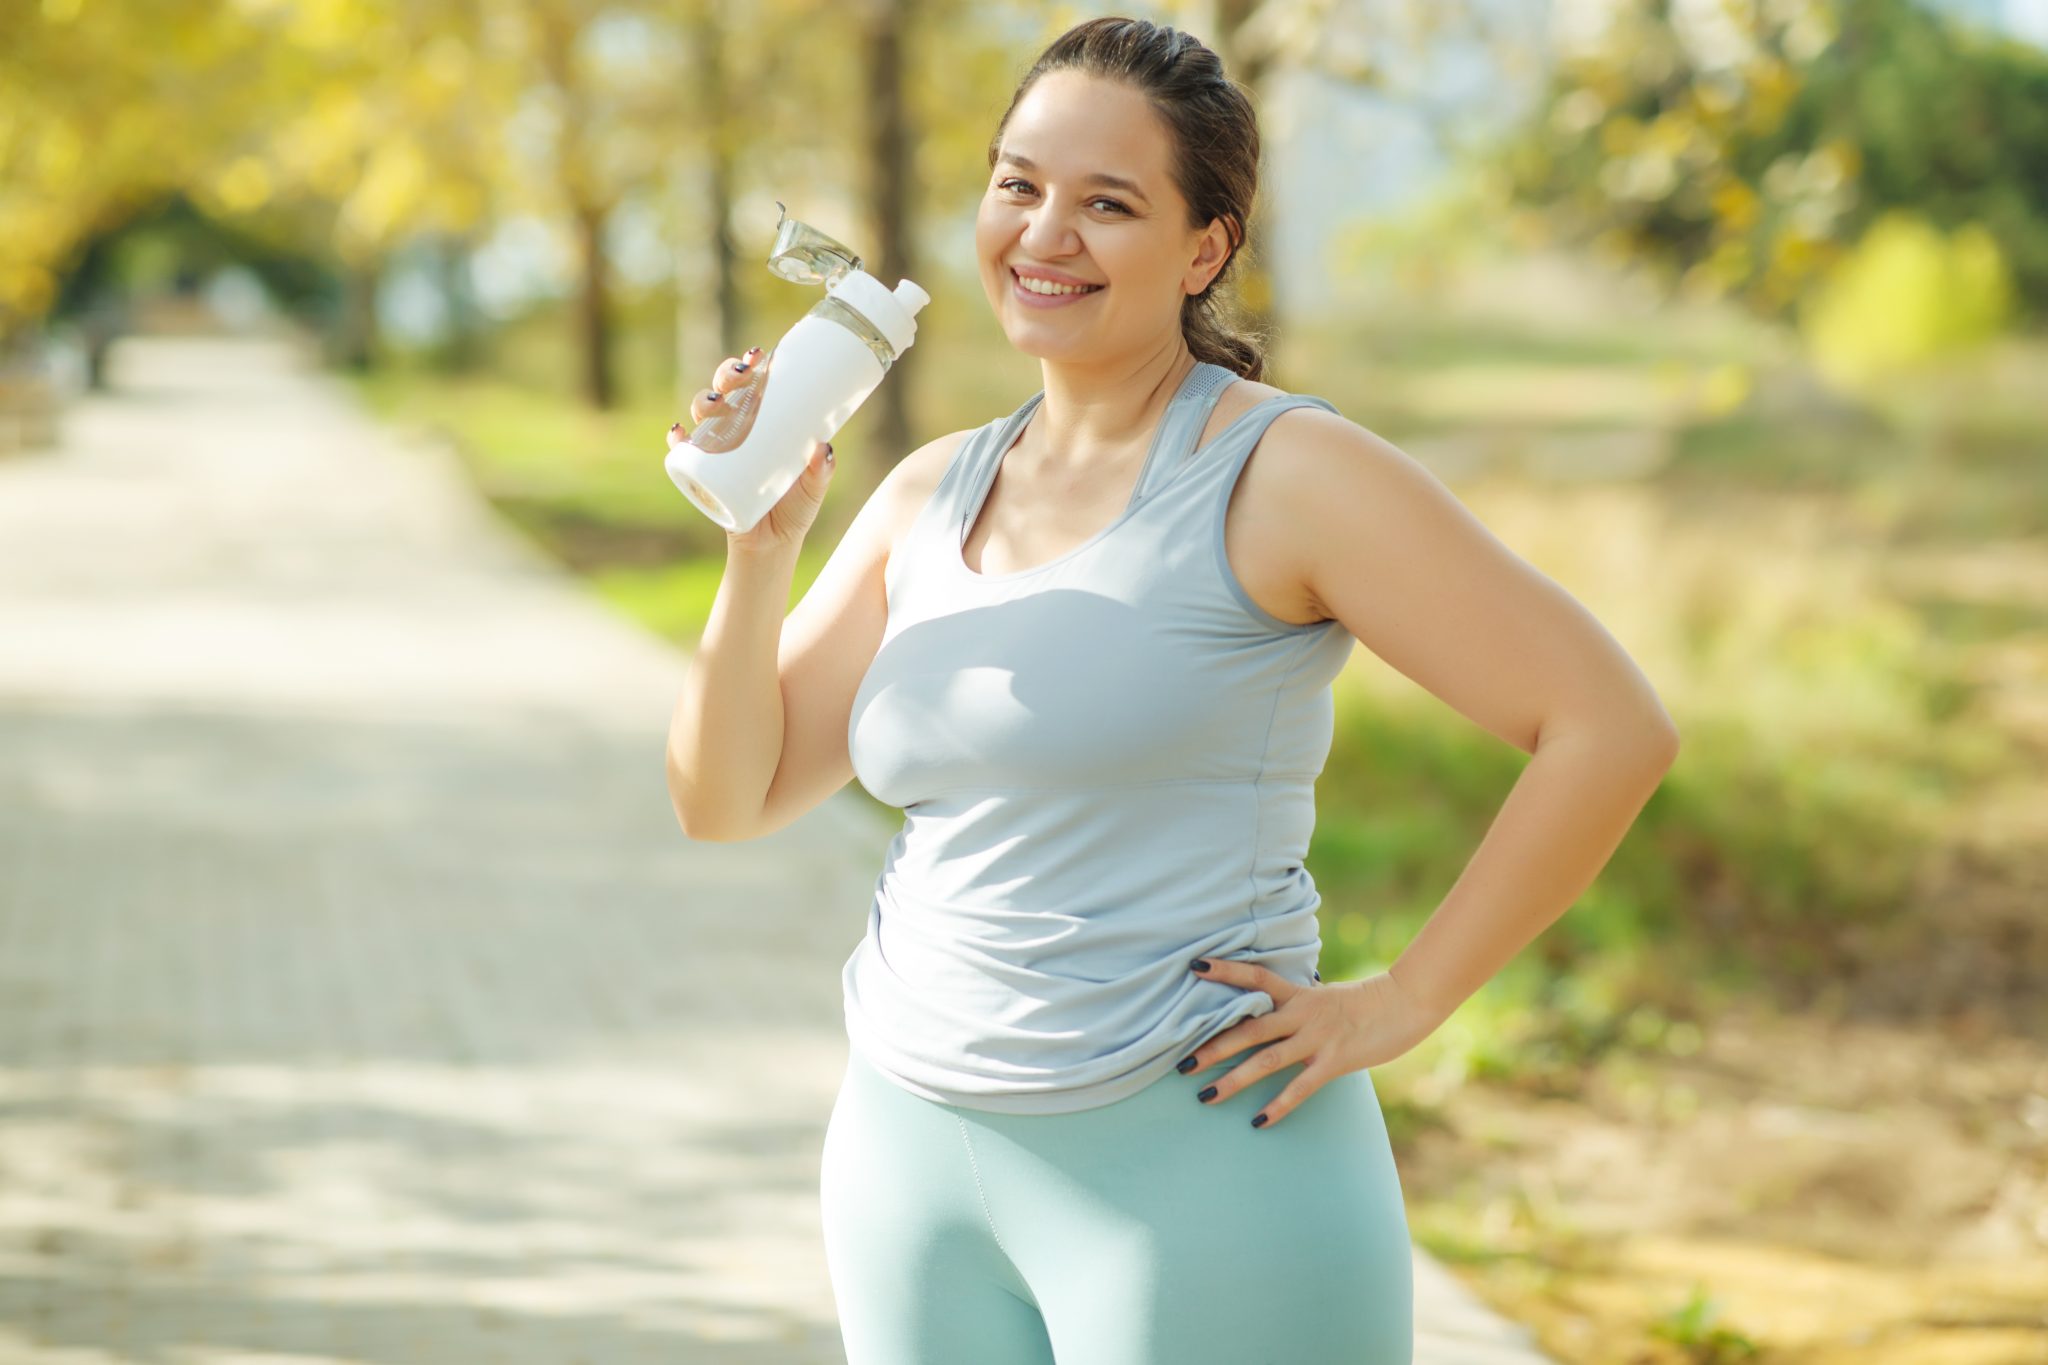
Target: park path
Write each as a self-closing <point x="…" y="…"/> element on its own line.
<point x="360" y="1000"/>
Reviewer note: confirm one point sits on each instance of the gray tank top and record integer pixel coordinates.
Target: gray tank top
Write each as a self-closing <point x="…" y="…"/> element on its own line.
<point x="1107" y="767"/>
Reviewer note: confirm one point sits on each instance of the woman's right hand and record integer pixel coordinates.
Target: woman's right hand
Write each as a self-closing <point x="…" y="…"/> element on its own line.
<point x="735" y="385"/>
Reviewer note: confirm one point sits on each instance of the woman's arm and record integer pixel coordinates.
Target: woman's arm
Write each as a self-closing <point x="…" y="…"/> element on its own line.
<point x="725" y="734"/>
<point x="1390" y="552"/>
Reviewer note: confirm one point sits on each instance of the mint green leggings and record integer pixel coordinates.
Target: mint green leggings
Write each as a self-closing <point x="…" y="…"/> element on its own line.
<point x="1152" y="1231"/>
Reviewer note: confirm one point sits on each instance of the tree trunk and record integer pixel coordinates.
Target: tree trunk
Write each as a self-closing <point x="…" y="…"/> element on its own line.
<point x="590" y="206"/>
<point x="724" y="255"/>
<point x="708" y="323"/>
<point x="593" y="313"/>
<point x="462" y="351"/>
<point x="890" y="156"/>
<point x="1249" y="272"/>
<point x="359" y="327"/>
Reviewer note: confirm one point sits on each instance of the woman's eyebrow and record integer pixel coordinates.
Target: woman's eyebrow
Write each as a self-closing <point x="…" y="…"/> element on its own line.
<point x="1099" y="178"/>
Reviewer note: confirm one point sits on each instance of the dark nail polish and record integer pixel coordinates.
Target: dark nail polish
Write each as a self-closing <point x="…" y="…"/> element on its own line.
<point x="1208" y="1093"/>
<point x="1258" y="1121"/>
<point x="741" y="368"/>
<point x="714" y="398"/>
<point x="1187" y="1064"/>
<point x="1200" y="964"/>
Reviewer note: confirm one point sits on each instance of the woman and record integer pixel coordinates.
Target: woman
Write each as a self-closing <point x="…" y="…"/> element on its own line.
<point x="1087" y="647"/>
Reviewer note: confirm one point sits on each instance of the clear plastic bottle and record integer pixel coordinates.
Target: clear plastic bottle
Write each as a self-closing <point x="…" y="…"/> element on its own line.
<point x="737" y="464"/>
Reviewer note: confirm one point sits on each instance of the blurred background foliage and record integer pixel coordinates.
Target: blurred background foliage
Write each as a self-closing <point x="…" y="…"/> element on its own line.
<point x="1731" y="323"/>
<point x="1866" y="159"/>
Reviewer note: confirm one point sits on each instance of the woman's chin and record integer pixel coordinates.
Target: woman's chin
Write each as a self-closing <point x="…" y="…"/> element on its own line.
<point x="1044" y="342"/>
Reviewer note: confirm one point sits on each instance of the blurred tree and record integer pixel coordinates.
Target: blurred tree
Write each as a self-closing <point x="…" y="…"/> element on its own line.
<point x="1948" y="123"/>
<point x="1365" y="44"/>
<point x="708" y="312"/>
<point x="340" y="128"/>
<point x="463" y="349"/>
<point x="1248" y="54"/>
<point x="1742" y="155"/>
<point x="91" y="128"/>
<point x="1904" y="295"/>
<point x="159" y="244"/>
<point x="890" y="142"/>
<point x="614" y="89"/>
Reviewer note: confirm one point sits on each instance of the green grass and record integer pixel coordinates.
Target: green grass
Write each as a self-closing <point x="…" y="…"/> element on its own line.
<point x="589" y="486"/>
<point x="674" y="600"/>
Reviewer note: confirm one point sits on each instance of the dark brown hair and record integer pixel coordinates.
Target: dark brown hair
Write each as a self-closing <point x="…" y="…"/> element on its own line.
<point x="1215" y="159"/>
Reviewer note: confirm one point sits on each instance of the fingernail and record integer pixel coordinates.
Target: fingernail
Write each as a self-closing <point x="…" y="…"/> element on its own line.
<point x="1200" y="964"/>
<point x="741" y="367"/>
<point x="714" y="398"/>
<point x="675" y="426"/>
<point x="828" y="453"/>
<point x="1259" y="1120"/>
<point x="1207" y="1094"/>
<point x="1187" y="1064"/>
<point x="753" y="351"/>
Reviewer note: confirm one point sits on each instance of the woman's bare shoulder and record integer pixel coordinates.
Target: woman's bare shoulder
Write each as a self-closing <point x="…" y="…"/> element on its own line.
<point x="907" y="487"/>
<point x="917" y="474"/>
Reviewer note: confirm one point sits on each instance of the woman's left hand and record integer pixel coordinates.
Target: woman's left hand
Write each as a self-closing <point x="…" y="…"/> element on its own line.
<point x="1335" y="1027"/>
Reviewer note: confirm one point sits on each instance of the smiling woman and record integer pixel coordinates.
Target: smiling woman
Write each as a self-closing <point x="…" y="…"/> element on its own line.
<point x="1164" y="234"/>
<point x="1105" y="744"/>
<point x="1099" y="1106"/>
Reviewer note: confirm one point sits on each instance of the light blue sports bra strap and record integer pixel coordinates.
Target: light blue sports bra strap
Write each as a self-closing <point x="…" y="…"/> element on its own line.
<point x="1284" y="402"/>
<point x="1243" y="434"/>
<point x="1182" y="424"/>
<point x="956" y="489"/>
<point x="1179" y="427"/>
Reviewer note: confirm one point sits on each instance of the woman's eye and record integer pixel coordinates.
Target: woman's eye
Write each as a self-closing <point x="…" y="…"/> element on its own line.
<point x="1099" y="199"/>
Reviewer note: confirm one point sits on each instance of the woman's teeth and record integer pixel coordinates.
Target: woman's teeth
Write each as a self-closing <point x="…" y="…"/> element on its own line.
<point x="1038" y="286"/>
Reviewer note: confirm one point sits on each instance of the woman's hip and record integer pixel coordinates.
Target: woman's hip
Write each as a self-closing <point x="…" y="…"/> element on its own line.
<point x="1155" y="1227"/>
<point x="1159" y="1158"/>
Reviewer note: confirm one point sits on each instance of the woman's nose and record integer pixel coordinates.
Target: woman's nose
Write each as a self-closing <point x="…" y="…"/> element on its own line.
<point x="1046" y="231"/>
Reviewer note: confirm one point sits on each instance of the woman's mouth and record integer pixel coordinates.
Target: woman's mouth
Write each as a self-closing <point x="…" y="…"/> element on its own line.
<point x="1031" y="299"/>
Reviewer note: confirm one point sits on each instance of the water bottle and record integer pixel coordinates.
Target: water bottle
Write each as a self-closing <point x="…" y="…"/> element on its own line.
<point x="824" y="368"/>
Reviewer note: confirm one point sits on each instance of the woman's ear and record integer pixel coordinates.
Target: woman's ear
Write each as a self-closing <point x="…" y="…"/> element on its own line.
<point x="1210" y="259"/>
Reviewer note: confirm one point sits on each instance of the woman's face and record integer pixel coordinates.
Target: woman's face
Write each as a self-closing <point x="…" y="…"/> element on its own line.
<point x="1045" y="209"/>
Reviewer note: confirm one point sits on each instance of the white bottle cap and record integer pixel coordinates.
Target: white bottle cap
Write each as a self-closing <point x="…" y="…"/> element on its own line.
<point x="894" y="314"/>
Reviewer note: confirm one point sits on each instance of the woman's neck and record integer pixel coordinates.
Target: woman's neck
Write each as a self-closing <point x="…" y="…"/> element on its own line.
<point x="1090" y="416"/>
